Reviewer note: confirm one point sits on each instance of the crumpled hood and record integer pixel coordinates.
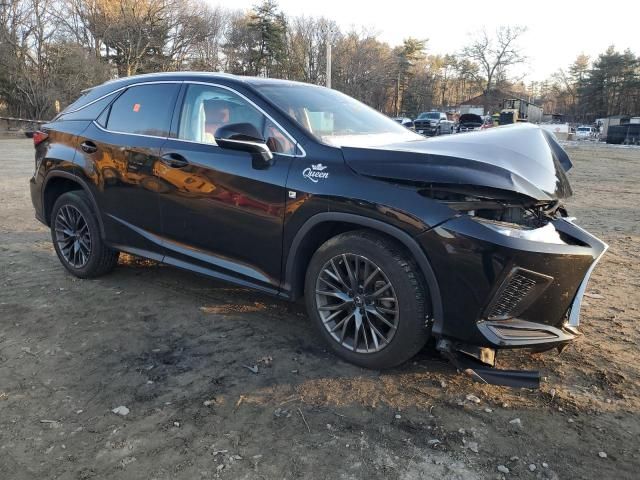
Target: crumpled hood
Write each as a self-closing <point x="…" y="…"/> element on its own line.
<point x="470" y="119"/>
<point x="520" y="158"/>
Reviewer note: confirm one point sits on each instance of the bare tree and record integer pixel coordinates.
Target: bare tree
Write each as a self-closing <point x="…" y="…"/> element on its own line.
<point x="494" y="55"/>
<point x="206" y="53"/>
<point x="187" y="27"/>
<point x="82" y="22"/>
<point x="307" y="47"/>
<point x="25" y="41"/>
<point x="38" y="65"/>
<point x="52" y="49"/>
<point x="363" y="68"/>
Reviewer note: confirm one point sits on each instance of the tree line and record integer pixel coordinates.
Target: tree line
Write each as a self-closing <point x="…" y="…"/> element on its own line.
<point x="50" y="50"/>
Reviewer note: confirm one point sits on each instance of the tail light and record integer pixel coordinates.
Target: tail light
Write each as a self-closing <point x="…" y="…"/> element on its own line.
<point x="39" y="137"/>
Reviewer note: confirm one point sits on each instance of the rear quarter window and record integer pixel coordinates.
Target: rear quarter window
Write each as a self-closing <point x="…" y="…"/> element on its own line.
<point x="144" y="110"/>
<point x="88" y="112"/>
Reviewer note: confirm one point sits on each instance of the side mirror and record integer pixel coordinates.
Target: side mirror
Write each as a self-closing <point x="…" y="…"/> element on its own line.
<point x="245" y="137"/>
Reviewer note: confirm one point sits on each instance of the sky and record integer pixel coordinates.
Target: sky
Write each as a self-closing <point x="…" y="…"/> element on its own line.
<point x="557" y="31"/>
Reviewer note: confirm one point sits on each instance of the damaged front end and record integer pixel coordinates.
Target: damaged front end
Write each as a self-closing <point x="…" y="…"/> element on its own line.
<point x="522" y="267"/>
<point x="514" y="285"/>
<point x="511" y="266"/>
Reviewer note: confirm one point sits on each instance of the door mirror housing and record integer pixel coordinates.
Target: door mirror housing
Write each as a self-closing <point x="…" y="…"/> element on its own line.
<point x="245" y="137"/>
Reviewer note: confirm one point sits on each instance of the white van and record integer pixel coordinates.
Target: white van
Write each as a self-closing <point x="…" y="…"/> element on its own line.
<point x="586" y="133"/>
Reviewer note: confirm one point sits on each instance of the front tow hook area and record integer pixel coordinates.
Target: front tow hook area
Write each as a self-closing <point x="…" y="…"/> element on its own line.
<point x="484" y="372"/>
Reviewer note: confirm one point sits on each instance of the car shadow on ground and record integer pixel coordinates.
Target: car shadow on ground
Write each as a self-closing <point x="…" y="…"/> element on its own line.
<point x="231" y="341"/>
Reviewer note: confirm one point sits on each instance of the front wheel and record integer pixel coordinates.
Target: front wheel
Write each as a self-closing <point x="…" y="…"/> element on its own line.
<point x="368" y="299"/>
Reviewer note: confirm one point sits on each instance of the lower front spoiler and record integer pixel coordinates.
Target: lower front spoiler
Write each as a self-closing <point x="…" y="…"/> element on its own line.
<point x="515" y="333"/>
<point x="478" y="363"/>
<point x="494" y="376"/>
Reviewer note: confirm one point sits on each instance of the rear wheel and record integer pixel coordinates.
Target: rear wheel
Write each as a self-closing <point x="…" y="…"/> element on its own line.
<point x="368" y="299"/>
<point x="76" y="237"/>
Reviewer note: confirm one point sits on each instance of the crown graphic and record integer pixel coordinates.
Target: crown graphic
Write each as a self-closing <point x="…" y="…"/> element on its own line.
<point x="318" y="167"/>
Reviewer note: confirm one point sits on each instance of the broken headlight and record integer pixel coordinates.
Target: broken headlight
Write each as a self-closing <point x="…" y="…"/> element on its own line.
<point x="507" y="214"/>
<point x="546" y="233"/>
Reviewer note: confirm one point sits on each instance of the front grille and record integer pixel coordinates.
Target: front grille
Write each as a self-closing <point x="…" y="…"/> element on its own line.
<point x="517" y="291"/>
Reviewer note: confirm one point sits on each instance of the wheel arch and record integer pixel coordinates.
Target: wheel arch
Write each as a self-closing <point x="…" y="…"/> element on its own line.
<point x="58" y="183"/>
<point x="322" y="226"/>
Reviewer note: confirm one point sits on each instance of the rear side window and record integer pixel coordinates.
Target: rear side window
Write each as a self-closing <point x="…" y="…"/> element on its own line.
<point x="89" y="112"/>
<point x="144" y="110"/>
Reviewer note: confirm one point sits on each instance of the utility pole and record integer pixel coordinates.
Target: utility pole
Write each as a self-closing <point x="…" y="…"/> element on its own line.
<point x="328" y="63"/>
<point x="397" y="109"/>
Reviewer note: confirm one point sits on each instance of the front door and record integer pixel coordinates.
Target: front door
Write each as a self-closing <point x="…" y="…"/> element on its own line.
<point x="123" y="149"/>
<point x="223" y="215"/>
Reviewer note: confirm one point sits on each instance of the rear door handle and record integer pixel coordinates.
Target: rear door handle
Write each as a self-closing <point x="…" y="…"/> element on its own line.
<point x="88" y="146"/>
<point x="174" y="160"/>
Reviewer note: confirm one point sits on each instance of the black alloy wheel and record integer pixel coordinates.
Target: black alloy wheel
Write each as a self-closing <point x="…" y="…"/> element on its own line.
<point x="357" y="303"/>
<point x="72" y="236"/>
<point x="368" y="299"/>
<point x="77" y="239"/>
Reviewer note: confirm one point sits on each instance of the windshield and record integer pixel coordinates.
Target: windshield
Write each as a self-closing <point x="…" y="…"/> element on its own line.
<point x="335" y="118"/>
<point x="429" y="115"/>
<point x="584" y="129"/>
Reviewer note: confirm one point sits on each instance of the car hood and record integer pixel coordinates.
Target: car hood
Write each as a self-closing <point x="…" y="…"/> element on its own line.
<point x="471" y="119"/>
<point x="521" y="158"/>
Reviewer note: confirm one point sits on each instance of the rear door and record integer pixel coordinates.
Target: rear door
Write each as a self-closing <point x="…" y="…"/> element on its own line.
<point x="223" y="215"/>
<point x="121" y="152"/>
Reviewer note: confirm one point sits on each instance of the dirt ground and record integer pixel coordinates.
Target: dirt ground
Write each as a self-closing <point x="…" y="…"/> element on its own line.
<point x="173" y="348"/>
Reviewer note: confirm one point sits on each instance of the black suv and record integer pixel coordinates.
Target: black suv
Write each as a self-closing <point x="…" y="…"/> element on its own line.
<point x="298" y="190"/>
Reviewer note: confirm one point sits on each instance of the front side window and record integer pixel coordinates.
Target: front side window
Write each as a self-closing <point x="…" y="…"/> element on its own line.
<point x="144" y="110"/>
<point x="335" y="118"/>
<point x="206" y="108"/>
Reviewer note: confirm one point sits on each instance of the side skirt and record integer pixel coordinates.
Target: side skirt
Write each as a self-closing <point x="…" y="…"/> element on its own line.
<point x="198" y="269"/>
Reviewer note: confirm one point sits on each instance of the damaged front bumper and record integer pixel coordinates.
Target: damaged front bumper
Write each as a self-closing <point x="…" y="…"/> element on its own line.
<point x="500" y="291"/>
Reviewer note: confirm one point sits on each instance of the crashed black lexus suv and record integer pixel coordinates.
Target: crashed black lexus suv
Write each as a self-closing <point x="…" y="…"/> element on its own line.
<point x="300" y="191"/>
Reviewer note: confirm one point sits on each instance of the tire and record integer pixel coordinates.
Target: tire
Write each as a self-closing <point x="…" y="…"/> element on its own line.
<point x="438" y="131"/>
<point x="75" y="234"/>
<point x="336" y="314"/>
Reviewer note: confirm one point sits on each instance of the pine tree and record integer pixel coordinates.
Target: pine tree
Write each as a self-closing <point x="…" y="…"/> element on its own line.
<point x="269" y="27"/>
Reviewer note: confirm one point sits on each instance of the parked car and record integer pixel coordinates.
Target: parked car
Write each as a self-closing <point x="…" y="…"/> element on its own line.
<point x="433" y="123"/>
<point x="586" y="133"/>
<point x="469" y="122"/>
<point x="300" y="191"/>
<point x="405" y="122"/>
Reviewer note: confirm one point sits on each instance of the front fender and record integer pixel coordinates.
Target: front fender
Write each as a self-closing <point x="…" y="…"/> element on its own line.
<point x="294" y="257"/>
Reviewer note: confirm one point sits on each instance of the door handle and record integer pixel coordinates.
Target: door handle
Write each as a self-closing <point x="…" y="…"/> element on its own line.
<point x="174" y="160"/>
<point x="88" y="146"/>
